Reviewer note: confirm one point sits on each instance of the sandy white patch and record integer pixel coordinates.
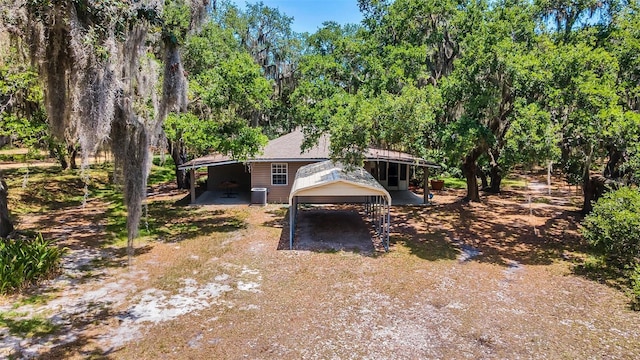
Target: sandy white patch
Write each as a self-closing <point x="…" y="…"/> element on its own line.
<point x="222" y="277"/>
<point x="154" y="306"/>
<point x="247" y="271"/>
<point x="248" y="286"/>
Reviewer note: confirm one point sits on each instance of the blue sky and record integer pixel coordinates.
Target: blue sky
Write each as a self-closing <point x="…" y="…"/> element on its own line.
<point x="310" y="14"/>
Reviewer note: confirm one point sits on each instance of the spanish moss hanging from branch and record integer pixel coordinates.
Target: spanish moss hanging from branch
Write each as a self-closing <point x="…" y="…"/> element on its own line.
<point x="97" y="64"/>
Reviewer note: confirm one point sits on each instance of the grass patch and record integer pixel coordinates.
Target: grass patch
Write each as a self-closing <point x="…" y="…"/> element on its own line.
<point x="41" y="189"/>
<point x="166" y="222"/>
<point x="458" y="183"/>
<point x="162" y="173"/>
<point x="35" y="190"/>
<point x="541" y="200"/>
<point x="38" y="190"/>
<point x="26" y="327"/>
<point x="595" y="267"/>
<point x="514" y="183"/>
<point x="22" y="155"/>
<point x="454" y="183"/>
<point x="37" y="299"/>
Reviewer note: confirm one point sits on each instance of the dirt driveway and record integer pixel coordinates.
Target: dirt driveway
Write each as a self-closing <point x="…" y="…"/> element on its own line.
<point x="489" y="280"/>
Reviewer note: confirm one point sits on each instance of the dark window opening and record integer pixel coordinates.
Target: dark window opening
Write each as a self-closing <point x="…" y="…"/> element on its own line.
<point x="382" y="171"/>
<point x="403" y="172"/>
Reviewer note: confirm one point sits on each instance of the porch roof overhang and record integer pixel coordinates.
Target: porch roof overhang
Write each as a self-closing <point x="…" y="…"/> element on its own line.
<point x="206" y="161"/>
<point x="219" y="160"/>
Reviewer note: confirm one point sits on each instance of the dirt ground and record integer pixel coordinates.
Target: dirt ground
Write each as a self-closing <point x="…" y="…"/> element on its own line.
<point x="490" y="280"/>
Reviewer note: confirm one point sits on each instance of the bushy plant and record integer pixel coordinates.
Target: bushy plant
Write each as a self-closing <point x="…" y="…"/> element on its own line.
<point x="614" y="227"/>
<point x="24" y="261"/>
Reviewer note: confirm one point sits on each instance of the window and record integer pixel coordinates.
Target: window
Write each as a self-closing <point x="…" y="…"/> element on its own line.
<point x="279" y="174"/>
<point x="382" y="171"/>
<point x="403" y="172"/>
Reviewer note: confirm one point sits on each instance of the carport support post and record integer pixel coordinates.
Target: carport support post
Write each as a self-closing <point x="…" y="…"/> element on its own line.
<point x="293" y="209"/>
<point x="192" y="185"/>
<point x="380" y="215"/>
<point x="377" y="214"/>
<point x="388" y="225"/>
<point x="426" y="185"/>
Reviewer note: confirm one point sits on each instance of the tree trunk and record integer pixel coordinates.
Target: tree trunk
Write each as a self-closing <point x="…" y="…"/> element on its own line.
<point x="495" y="172"/>
<point x="179" y="155"/>
<point x="72" y="150"/>
<point x="588" y="188"/>
<point x="469" y="170"/>
<point x="6" y="226"/>
<point x="589" y="191"/>
<point x="612" y="170"/>
<point x="58" y="151"/>
<point x="496" y="178"/>
<point x="483" y="177"/>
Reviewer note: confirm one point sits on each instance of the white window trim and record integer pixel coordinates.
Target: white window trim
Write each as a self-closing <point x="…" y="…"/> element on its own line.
<point x="286" y="174"/>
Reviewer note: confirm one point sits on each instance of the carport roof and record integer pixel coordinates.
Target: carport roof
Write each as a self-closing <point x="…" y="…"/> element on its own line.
<point x="327" y="178"/>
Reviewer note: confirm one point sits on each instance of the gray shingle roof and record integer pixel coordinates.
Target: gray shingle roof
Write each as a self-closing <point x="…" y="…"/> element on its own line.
<point x="286" y="148"/>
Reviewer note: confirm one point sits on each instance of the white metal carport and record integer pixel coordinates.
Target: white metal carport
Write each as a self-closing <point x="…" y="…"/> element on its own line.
<point x="329" y="183"/>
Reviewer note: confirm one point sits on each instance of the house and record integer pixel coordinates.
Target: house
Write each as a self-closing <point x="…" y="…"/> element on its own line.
<point x="275" y="169"/>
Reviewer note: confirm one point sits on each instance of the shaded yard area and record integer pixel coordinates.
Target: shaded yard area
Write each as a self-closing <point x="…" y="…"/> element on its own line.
<point x="489" y="280"/>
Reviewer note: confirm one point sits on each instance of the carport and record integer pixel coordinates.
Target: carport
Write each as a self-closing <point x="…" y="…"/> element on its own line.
<point x="330" y="183"/>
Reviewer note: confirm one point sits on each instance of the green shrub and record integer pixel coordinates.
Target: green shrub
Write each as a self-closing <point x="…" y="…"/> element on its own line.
<point x="24" y="261"/>
<point x="614" y="227"/>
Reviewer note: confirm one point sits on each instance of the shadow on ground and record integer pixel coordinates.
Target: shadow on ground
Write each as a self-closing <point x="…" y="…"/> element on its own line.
<point x="74" y="339"/>
<point x="498" y="231"/>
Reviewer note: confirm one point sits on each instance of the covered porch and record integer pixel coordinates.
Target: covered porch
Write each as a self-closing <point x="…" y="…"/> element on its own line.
<point x="222" y="197"/>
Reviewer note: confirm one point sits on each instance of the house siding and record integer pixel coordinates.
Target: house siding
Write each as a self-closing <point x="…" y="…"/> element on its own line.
<point x="261" y="177"/>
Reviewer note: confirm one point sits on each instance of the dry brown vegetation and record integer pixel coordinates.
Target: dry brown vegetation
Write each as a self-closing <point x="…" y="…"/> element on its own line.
<point x="489" y="280"/>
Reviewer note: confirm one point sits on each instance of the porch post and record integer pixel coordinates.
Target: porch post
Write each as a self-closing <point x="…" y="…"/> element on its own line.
<point x="426" y="185"/>
<point x="192" y="189"/>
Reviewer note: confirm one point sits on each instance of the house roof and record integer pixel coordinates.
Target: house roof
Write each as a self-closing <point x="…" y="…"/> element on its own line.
<point x="286" y="148"/>
<point x="327" y="178"/>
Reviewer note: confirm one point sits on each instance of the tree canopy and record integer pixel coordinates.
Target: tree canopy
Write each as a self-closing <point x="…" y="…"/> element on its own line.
<point x="479" y="86"/>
